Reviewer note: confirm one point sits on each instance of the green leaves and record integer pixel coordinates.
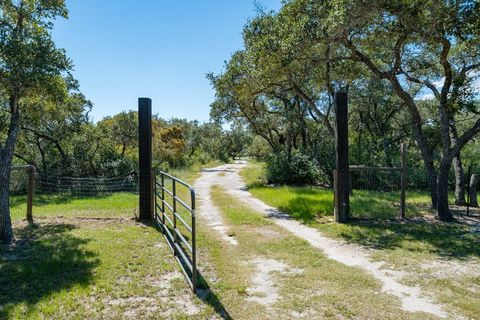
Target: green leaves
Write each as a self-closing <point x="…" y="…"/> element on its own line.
<point x="29" y="59"/>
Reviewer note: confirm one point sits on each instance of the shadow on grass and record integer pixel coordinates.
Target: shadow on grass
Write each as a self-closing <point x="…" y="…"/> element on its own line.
<point x="45" y="261"/>
<point x="309" y="204"/>
<point x="204" y="292"/>
<point x="447" y="240"/>
<point x="374" y="223"/>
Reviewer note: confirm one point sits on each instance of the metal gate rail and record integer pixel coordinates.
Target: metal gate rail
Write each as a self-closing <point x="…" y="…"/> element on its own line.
<point x="183" y="249"/>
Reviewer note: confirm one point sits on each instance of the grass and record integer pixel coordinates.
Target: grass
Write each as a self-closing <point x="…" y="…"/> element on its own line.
<point x="311" y="203"/>
<point x="74" y="269"/>
<point x="110" y="267"/>
<point x="314" y="206"/>
<point x="412" y="245"/>
<point x="101" y="205"/>
<point x="97" y="205"/>
<point x="323" y="289"/>
<point x="86" y="257"/>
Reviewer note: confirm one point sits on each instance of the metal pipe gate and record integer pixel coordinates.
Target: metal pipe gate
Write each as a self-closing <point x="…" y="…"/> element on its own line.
<point x="178" y="231"/>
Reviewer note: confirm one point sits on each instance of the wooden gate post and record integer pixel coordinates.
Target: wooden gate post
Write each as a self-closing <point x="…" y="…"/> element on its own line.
<point x="30" y="171"/>
<point x="403" y="180"/>
<point x="342" y="177"/>
<point x="145" y="158"/>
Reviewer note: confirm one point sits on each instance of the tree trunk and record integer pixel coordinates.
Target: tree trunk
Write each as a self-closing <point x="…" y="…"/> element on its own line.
<point x="420" y="138"/>
<point x="459" y="181"/>
<point x="473" y="190"/>
<point x="6" y="156"/>
<point x="443" y="210"/>
<point x="6" y="232"/>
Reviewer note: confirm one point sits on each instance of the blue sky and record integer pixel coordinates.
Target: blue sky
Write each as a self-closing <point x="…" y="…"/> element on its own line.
<point x="124" y="49"/>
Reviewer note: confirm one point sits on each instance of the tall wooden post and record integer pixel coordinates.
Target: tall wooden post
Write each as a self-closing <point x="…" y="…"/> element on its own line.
<point x="145" y="158"/>
<point x="403" y="180"/>
<point x="342" y="176"/>
<point x="30" y="191"/>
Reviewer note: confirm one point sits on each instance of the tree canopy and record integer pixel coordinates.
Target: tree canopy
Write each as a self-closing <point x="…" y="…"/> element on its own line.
<point x="409" y="66"/>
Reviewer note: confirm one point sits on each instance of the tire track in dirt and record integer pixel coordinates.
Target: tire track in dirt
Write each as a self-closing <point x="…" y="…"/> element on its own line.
<point x="207" y="209"/>
<point x="411" y="297"/>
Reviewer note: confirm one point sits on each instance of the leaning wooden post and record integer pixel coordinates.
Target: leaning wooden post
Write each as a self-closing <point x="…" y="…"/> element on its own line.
<point x="30" y="191"/>
<point x="145" y="158"/>
<point x="342" y="177"/>
<point x="403" y="181"/>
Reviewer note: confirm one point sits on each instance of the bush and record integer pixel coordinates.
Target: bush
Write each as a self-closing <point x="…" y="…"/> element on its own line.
<point x="295" y="168"/>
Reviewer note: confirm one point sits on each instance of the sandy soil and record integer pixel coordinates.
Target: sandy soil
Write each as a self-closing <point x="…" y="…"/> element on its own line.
<point x="206" y="208"/>
<point x="264" y="289"/>
<point x="411" y="297"/>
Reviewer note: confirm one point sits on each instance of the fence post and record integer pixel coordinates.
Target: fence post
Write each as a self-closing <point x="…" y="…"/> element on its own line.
<point x="30" y="191"/>
<point x="403" y="181"/>
<point x="342" y="178"/>
<point x="145" y="158"/>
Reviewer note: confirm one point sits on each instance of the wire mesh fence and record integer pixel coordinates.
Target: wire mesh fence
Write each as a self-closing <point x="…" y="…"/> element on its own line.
<point x="92" y="197"/>
<point x="72" y="185"/>
<point x="376" y="193"/>
<point x="87" y="186"/>
<point x="377" y="179"/>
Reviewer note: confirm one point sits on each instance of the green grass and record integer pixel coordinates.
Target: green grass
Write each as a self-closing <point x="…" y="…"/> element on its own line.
<point x="312" y="203"/>
<point x="405" y="245"/>
<point x="324" y="289"/>
<point x="96" y="205"/>
<point x="314" y="206"/>
<point x="101" y="205"/>
<point x="86" y="258"/>
<point x="111" y="269"/>
<point x="115" y="268"/>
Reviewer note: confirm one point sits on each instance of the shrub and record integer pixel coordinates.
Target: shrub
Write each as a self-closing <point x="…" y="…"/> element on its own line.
<point x="295" y="168"/>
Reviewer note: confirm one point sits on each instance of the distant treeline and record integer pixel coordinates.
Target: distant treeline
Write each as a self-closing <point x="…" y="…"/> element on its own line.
<point x="63" y="141"/>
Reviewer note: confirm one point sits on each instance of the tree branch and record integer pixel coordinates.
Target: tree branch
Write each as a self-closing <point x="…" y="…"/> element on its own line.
<point x="314" y="108"/>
